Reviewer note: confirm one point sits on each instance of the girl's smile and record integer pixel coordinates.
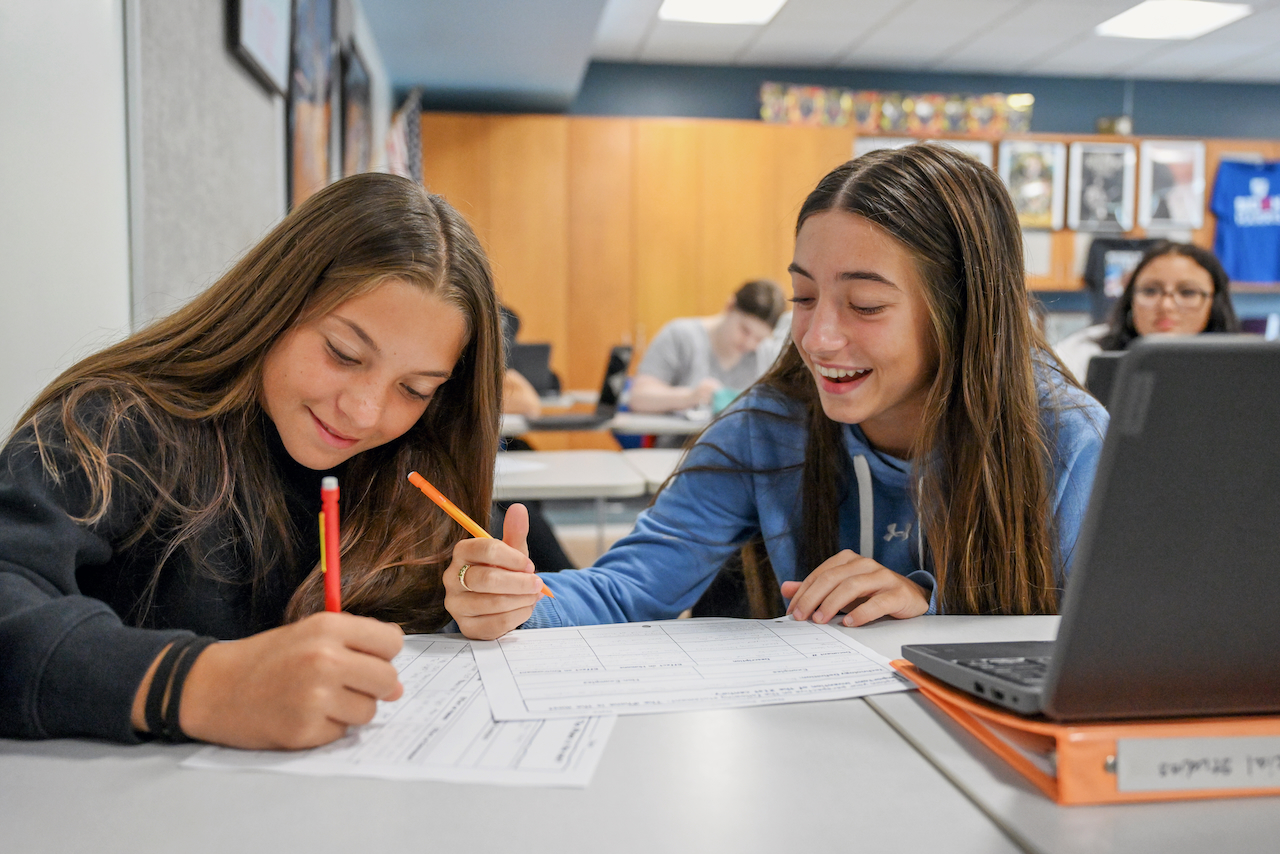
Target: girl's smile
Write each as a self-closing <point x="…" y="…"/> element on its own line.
<point x="333" y="437"/>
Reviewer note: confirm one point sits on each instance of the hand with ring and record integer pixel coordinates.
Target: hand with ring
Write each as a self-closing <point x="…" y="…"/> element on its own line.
<point x="491" y="588"/>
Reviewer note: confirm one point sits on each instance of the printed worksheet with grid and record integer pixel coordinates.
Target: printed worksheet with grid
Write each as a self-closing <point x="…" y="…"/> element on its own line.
<point x="441" y="729"/>
<point x="674" y="666"/>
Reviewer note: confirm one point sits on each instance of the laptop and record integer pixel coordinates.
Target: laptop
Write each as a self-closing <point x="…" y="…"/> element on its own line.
<point x="533" y="361"/>
<point x="615" y="378"/>
<point x="1100" y="375"/>
<point x="1173" y="604"/>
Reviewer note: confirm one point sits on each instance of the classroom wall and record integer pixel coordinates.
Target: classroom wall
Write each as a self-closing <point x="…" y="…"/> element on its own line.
<point x="208" y="152"/>
<point x="208" y="145"/>
<point x="1063" y="104"/>
<point x="64" y="226"/>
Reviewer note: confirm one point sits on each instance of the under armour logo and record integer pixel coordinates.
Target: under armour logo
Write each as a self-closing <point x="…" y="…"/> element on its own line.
<point x="892" y="533"/>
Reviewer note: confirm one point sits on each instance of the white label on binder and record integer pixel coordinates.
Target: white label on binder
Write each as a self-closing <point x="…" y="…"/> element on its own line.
<point x="1172" y="764"/>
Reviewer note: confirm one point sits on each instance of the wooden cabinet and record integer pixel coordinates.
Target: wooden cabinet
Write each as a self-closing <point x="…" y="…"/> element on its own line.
<point x="600" y="230"/>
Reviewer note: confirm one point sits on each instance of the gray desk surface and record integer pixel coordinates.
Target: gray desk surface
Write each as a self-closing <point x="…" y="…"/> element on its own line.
<point x="812" y="775"/>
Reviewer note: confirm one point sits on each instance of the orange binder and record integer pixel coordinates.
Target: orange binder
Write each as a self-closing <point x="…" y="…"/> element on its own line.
<point x="1121" y="761"/>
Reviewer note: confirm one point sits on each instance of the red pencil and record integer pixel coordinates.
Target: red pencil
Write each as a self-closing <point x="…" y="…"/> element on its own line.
<point x="329" y="548"/>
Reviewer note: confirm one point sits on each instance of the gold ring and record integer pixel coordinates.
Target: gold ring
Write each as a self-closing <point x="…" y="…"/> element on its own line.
<point x="462" y="573"/>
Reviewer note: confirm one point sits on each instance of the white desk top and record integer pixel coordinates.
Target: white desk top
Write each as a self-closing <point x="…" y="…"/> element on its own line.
<point x="533" y="475"/>
<point x="513" y="425"/>
<point x="655" y="464"/>
<point x="773" y="778"/>
<point x="629" y="423"/>
<point x="646" y="424"/>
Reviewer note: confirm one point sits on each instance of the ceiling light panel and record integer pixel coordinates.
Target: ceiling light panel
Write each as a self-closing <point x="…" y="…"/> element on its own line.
<point x="720" y="11"/>
<point x="1172" y="19"/>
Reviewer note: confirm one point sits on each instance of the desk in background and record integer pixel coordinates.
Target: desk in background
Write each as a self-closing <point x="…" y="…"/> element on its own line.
<point x="628" y="423"/>
<point x="599" y="475"/>
<point x="836" y="774"/>
<point x="654" y="464"/>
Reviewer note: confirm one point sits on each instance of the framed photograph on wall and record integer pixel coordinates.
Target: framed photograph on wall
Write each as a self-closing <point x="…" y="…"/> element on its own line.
<point x="310" y="85"/>
<point x="258" y="31"/>
<point x="1036" y="175"/>
<point x="1171" y="184"/>
<point x="981" y="150"/>
<point x="1102" y="186"/>
<point x="357" y="115"/>
<point x="866" y="144"/>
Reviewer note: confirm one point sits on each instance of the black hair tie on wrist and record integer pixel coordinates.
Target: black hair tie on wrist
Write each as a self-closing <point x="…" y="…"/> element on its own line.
<point x="172" y="728"/>
<point x="164" y="697"/>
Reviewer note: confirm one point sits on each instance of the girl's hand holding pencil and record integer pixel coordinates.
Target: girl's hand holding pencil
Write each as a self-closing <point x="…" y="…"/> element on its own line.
<point x="490" y="587"/>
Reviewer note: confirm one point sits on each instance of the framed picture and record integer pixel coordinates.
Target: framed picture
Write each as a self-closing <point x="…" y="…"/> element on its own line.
<point x="357" y="116"/>
<point x="865" y="144"/>
<point x="258" y="31"/>
<point x="1036" y="175"/>
<point x="981" y="150"/>
<point x="310" y="85"/>
<point x="1102" y="186"/>
<point x="1171" y="184"/>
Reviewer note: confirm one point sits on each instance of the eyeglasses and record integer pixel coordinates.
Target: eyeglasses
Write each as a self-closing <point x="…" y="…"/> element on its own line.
<point x="1186" y="299"/>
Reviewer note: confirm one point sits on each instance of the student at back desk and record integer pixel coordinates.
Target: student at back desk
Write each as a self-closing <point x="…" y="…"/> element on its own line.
<point x="692" y="358"/>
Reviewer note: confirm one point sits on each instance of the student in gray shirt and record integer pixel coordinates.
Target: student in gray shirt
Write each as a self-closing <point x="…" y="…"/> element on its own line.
<point x="691" y="358"/>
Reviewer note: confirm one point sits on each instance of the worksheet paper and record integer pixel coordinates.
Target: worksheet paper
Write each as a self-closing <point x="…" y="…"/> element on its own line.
<point x="441" y="729"/>
<point x="675" y="666"/>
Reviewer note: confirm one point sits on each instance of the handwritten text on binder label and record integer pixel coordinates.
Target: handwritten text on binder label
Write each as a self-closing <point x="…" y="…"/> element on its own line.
<point x="1171" y="764"/>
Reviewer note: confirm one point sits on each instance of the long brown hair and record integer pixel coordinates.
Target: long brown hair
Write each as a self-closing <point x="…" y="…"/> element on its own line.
<point x="981" y="461"/>
<point x="191" y="382"/>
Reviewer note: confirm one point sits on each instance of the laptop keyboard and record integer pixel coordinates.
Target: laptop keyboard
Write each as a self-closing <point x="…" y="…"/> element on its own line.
<point x="1024" y="670"/>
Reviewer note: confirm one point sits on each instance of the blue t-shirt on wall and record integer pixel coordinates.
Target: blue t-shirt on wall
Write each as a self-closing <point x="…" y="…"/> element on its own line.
<point x="1246" y="201"/>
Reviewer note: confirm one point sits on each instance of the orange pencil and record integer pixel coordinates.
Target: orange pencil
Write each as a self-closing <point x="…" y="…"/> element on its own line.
<point x="458" y="516"/>
<point x="329" y="549"/>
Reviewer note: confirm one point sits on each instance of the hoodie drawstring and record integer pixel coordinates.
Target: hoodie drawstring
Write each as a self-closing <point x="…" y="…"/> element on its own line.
<point x="866" y="507"/>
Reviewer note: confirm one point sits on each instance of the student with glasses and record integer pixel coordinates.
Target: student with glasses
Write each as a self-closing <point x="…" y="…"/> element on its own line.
<point x="1176" y="289"/>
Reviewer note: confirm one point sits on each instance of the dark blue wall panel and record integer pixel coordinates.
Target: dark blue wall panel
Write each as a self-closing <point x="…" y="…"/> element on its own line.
<point x="1063" y="104"/>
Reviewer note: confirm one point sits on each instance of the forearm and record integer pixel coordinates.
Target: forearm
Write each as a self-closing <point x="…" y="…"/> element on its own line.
<point x="69" y="668"/>
<point x="519" y="397"/>
<point x="650" y="394"/>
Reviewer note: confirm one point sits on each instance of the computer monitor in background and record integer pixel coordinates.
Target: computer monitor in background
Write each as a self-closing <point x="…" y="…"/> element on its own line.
<point x="533" y="361"/>
<point x="1100" y="376"/>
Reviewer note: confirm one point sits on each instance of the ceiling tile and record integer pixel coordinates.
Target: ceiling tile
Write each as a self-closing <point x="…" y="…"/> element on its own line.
<point x="1188" y="62"/>
<point x="852" y="17"/>
<point x="1096" y="56"/>
<point x="1261" y="68"/>
<point x="924" y="32"/>
<point x="1032" y="32"/>
<point x="799" y="44"/>
<point x="623" y="26"/>
<point x="695" y="44"/>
